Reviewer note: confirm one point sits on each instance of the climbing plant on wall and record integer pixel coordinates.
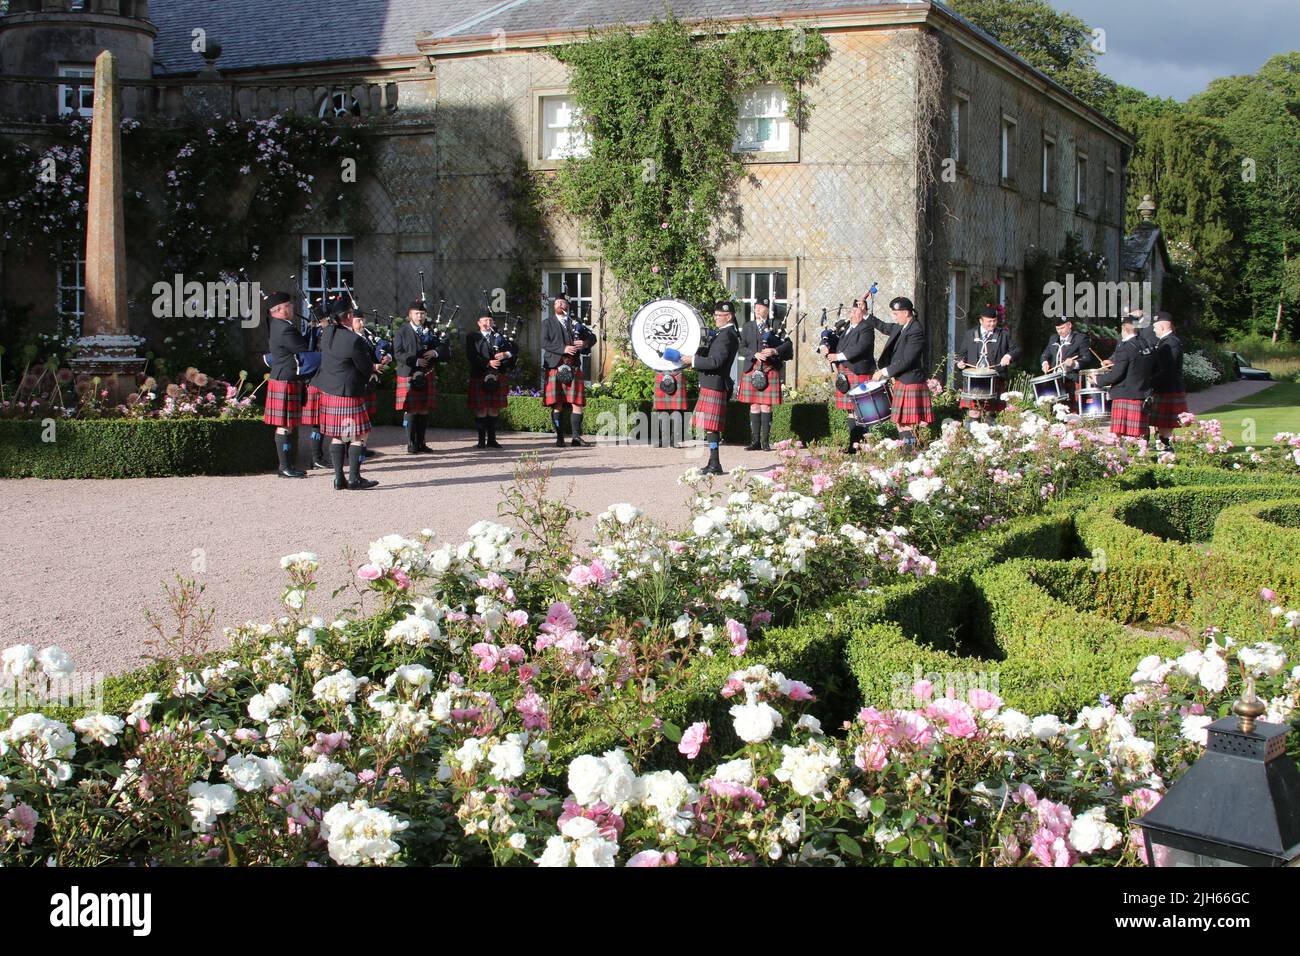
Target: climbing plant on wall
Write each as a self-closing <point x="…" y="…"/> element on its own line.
<point x="660" y="109"/>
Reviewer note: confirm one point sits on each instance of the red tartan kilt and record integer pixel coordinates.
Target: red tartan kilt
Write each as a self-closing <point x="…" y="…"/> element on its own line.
<point x="311" y="408"/>
<point x="912" y="404"/>
<point x="1168" y="406"/>
<point x="419" y="402"/>
<point x="842" y="399"/>
<point x="283" y="404"/>
<point x="485" y="398"/>
<point x="676" y="402"/>
<point x="771" y="395"/>
<point x="988" y="404"/>
<point x="1127" y="418"/>
<point x="575" y="393"/>
<point x="372" y="403"/>
<point x="343" y="417"/>
<point x="710" y="411"/>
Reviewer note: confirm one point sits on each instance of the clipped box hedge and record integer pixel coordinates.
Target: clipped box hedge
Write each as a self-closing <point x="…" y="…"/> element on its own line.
<point x="1267" y="530"/>
<point x="135" y="448"/>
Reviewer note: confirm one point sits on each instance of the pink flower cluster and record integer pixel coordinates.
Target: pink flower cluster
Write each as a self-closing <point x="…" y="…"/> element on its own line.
<point x="608" y="823"/>
<point x="1045" y="826"/>
<point x="589" y="575"/>
<point x="497" y="659"/>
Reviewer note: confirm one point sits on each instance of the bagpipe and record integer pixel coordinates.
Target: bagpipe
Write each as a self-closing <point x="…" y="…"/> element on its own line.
<point x="434" y="336"/>
<point x="504" y="339"/>
<point x="832" y="335"/>
<point x="579" y="334"/>
<point x="306" y="363"/>
<point x="380" y="347"/>
<point x="775" y="336"/>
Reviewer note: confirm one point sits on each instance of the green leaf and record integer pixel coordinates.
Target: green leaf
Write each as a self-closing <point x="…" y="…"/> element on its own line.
<point x="896" y="845"/>
<point x="848" y="845"/>
<point x="877" y="806"/>
<point x="921" y="850"/>
<point x="672" y="731"/>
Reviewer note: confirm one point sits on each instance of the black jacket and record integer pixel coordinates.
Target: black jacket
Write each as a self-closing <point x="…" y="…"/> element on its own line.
<point x="858" y="345"/>
<point x="751" y="343"/>
<point x="284" y="344"/>
<point x="1130" y="377"/>
<point x="714" y="365"/>
<point x="346" y="364"/>
<point x="1000" y="344"/>
<point x="555" y="336"/>
<point x="904" y="351"/>
<point x="479" y="351"/>
<point x="1168" y="376"/>
<point x="407" y="350"/>
<point x="1079" y="346"/>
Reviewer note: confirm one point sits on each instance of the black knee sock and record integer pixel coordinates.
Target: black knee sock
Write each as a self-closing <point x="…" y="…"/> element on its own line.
<point x="755" y="427"/>
<point x="557" y="422"/>
<point x="412" y="430"/>
<point x="317" y="446"/>
<point x="421" y="422"/>
<point x="283" y="443"/>
<point x="766" y="429"/>
<point x="481" y="422"/>
<point x="575" y="424"/>
<point x="714" y="439"/>
<point x="492" y="428"/>
<point x="355" y="452"/>
<point x="337" y="452"/>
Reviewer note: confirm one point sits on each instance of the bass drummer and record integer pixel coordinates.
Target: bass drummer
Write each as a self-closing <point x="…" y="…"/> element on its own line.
<point x="987" y="347"/>
<point x="856" y="362"/>
<point x="1069" y="351"/>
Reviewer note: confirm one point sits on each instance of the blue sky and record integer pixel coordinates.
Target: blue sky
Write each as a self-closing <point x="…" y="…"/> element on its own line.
<point x="1175" y="47"/>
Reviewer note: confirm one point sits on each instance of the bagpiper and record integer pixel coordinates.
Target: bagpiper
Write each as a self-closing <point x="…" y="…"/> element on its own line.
<point x="1068" y="350"/>
<point x="987" y="347"/>
<point x="348" y="368"/>
<point x="763" y="354"/>
<point x="1169" y="392"/>
<point x="562" y="344"/>
<point x="320" y="318"/>
<point x="902" y="359"/>
<point x="856" y="363"/>
<point x="1128" y="375"/>
<point x="714" y="366"/>
<point x="489" y="389"/>
<point x="669" y="406"/>
<point x="283" y="388"/>
<point x="417" y="389"/>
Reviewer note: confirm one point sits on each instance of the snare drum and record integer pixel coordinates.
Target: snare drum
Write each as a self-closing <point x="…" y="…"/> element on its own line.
<point x="871" y="403"/>
<point x="1094" y="404"/>
<point x="979" y="384"/>
<point x="1049" y="387"/>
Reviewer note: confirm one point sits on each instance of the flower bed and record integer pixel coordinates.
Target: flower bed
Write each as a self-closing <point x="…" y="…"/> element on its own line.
<point x="674" y="697"/>
<point x="133" y="448"/>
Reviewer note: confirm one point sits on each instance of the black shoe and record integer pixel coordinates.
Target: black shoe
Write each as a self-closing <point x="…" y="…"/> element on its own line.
<point x="424" y="449"/>
<point x="291" y="473"/>
<point x="361" y="484"/>
<point x="411" y="449"/>
<point x="754" y="446"/>
<point x="712" y="468"/>
<point x="580" y="443"/>
<point x="321" y="462"/>
<point x="559" y="441"/>
<point x="767" y="446"/>
<point x="493" y="443"/>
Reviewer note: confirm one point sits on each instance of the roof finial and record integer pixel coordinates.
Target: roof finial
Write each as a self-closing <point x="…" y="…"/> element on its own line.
<point x="1147" y="208"/>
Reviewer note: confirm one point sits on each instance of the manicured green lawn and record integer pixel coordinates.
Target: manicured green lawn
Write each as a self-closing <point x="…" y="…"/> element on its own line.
<point x="1275" y="409"/>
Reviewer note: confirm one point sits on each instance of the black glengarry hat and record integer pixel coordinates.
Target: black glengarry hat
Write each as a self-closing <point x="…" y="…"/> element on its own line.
<point x="902" y="303"/>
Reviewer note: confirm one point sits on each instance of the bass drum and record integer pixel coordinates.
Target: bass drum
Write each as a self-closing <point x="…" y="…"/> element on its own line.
<point x="665" y="324"/>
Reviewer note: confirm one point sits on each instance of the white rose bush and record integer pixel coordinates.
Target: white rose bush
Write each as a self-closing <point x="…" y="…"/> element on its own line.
<point x="516" y="701"/>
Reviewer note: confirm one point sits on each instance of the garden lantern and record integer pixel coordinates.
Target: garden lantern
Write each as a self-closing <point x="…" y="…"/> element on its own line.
<point x="1239" y="805"/>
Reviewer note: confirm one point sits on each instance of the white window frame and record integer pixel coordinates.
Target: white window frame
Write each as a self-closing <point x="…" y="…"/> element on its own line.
<point x="1108" y="191"/>
<point x="1049" y="166"/>
<point x="77" y="289"/>
<point x="1008" y="146"/>
<point x="1081" y="181"/>
<point x="960" y="122"/>
<point x="1006" y="282"/>
<point x="580" y="289"/>
<point x="577" y="142"/>
<point x="337" y="268"/>
<point x="768" y="103"/>
<point x="79" y="94"/>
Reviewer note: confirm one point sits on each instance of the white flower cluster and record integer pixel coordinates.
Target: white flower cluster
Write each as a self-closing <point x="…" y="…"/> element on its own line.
<point x="361" y="835"/>
<point x="22" y="661"/>
<point x="422" y="627"/>
<point x="45" y="745"/>
<point x="207" y="802"/>
<point x="395" y="551"/>
<point x="303" y="562"/>
<point x="808" y="769"/>
<point x="609" y="779"/>
<point x="251" y="774"/>
<point x="491" y="546"/>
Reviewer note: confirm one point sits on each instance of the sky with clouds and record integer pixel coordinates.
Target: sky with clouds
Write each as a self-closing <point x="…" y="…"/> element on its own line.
<point x="1175" y="47"/>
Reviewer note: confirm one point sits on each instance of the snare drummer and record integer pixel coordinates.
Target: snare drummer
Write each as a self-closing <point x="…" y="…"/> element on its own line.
<point x="1128" y="375"/>
<point x="856" y="360"/>
<point x="1069" y="351"/>
<point x="987" y="347"/>
<point x="902" y="359"/>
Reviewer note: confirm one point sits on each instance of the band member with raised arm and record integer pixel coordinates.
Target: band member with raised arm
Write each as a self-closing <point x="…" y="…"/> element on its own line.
<point x="1068" y="350"/>
<point x="856" y="360"/>
<point x="417" y="393"/>
<point x="764" y="350"/>
<point x="903" y="360"/>
<point x="283" y="389"/>
<point x="489" y="388"/>
<point x="1128" y="375"/>
<point x="714" y="366"/>
<point x="347" y="369"/>
<point x="562" y="345"/>
<point x="987" y="346"/>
